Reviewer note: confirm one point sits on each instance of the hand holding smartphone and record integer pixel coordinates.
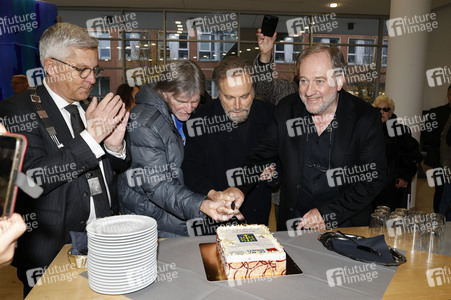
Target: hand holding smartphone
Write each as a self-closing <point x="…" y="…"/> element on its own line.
<point x="12" y="151"/>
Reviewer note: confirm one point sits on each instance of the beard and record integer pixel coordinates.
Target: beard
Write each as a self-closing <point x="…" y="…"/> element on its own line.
<point x="238" y="115"/>
<point x="319" y="108"/>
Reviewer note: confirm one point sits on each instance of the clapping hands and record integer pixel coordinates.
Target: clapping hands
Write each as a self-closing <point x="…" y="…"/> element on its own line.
<point x="107" y="120"/>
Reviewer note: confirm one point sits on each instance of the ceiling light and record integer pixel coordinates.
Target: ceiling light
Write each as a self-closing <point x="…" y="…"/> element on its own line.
<point x="333" y="5"/>
<point x="178" y="22"/>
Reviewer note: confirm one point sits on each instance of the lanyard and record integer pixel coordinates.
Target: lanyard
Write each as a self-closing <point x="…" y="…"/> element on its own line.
<point x="45" y="118"/>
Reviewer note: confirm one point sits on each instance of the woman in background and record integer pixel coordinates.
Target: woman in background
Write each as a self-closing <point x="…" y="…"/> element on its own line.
<point x="403" y="156"/>
<point x="127" y="94"/>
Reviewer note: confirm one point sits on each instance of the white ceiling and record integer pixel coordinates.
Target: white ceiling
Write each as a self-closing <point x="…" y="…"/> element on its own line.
<point x="368" y="7"/>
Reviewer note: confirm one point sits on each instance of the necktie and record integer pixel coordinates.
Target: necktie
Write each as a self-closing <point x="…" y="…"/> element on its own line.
<point x="95" y="179"/>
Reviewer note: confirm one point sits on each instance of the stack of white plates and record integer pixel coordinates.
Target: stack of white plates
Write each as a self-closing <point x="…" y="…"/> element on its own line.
<point x="122" y="254"/>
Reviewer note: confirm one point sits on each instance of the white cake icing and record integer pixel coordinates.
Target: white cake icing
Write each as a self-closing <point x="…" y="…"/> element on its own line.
<point x="243" y="243"/>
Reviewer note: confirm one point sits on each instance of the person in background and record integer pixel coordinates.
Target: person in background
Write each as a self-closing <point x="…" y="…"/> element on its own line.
<point x="127" y="94"/>
<point x="430" y="140"/>
<point x="275" y="89"/>
<point x="19" y="83"/>
<point x="445" y="156"/>
<point x="154" y="183"/>
<point x="403" y="155"/>
<point x="231" y="126"/>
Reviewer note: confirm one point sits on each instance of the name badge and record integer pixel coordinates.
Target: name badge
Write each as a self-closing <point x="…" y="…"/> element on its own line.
<point x="94" y="186"/>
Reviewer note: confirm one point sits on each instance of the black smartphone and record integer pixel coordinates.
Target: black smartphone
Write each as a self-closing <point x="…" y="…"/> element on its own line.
<point x="269" y="25"/>
<point x="12" y="151"/>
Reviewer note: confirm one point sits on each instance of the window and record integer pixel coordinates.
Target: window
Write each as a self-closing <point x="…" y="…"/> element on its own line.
<point x="384" y="53"/>
<point x="156" y="37"/>
<point x="279" y="50"/>
<point x="286" y="53"/>
<point x="178" y="49"/>
<point x="135" y="49"/>
<point x="104" y="44"/>
<point x="360" y="55"/>
<point x="213" y="51"/>
<point x="101" y="87"/>
<point x="326" y="40"/>
<point x="104" y="50"/>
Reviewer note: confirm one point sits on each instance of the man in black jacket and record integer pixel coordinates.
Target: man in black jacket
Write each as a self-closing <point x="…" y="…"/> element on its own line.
<point x="430" y="140"/>
<point x="73" y="165"/>
<point x="330" y="145"/>
<point x="222" y="132"/>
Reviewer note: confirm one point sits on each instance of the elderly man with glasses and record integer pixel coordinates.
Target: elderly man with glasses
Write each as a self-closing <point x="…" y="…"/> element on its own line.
<point x="72" y="149"/>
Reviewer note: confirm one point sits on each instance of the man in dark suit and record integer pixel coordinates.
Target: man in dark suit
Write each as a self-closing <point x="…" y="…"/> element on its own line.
<point x="331" y="148"/>
<point x="73" y="165"/>
<point x="222" y="132"/>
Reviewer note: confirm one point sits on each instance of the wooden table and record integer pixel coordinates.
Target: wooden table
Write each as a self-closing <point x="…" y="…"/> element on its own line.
<point x="409" y="281"/>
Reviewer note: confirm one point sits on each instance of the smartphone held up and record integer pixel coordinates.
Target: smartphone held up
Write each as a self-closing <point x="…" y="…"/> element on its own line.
<point x="12" y="151"/>
<point x="269" y="25"/>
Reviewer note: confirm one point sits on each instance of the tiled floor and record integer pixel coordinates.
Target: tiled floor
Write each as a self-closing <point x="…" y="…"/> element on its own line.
<point x="11" y="287"/>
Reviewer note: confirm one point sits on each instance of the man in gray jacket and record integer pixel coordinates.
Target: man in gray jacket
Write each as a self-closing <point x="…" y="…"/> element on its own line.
<point x="154" y="184"/>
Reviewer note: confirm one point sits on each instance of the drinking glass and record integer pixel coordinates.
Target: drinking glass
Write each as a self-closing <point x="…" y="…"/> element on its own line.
<point x="432" y="240"/>
<point x="395" y="229"/>
<point x="377" y="224"/>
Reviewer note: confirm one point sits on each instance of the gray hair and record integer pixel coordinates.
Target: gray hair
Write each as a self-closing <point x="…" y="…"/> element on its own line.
<point x="58" y="39"/>
<point x="337" y="59"/>
<point x="182" y="76"/>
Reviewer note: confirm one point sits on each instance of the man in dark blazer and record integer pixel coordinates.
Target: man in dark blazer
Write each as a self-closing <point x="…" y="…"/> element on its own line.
<point x="222" y="132"/>
<point x="331" y="148"/>
<point x="74" y="165"/>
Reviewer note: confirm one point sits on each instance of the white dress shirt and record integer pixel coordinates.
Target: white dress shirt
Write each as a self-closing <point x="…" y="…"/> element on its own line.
<point x="93" y="145"/>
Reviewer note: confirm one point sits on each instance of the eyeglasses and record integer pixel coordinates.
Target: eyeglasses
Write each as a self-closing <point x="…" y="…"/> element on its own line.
<point x="386" y="109"/>
<point x="84" y="72"/>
